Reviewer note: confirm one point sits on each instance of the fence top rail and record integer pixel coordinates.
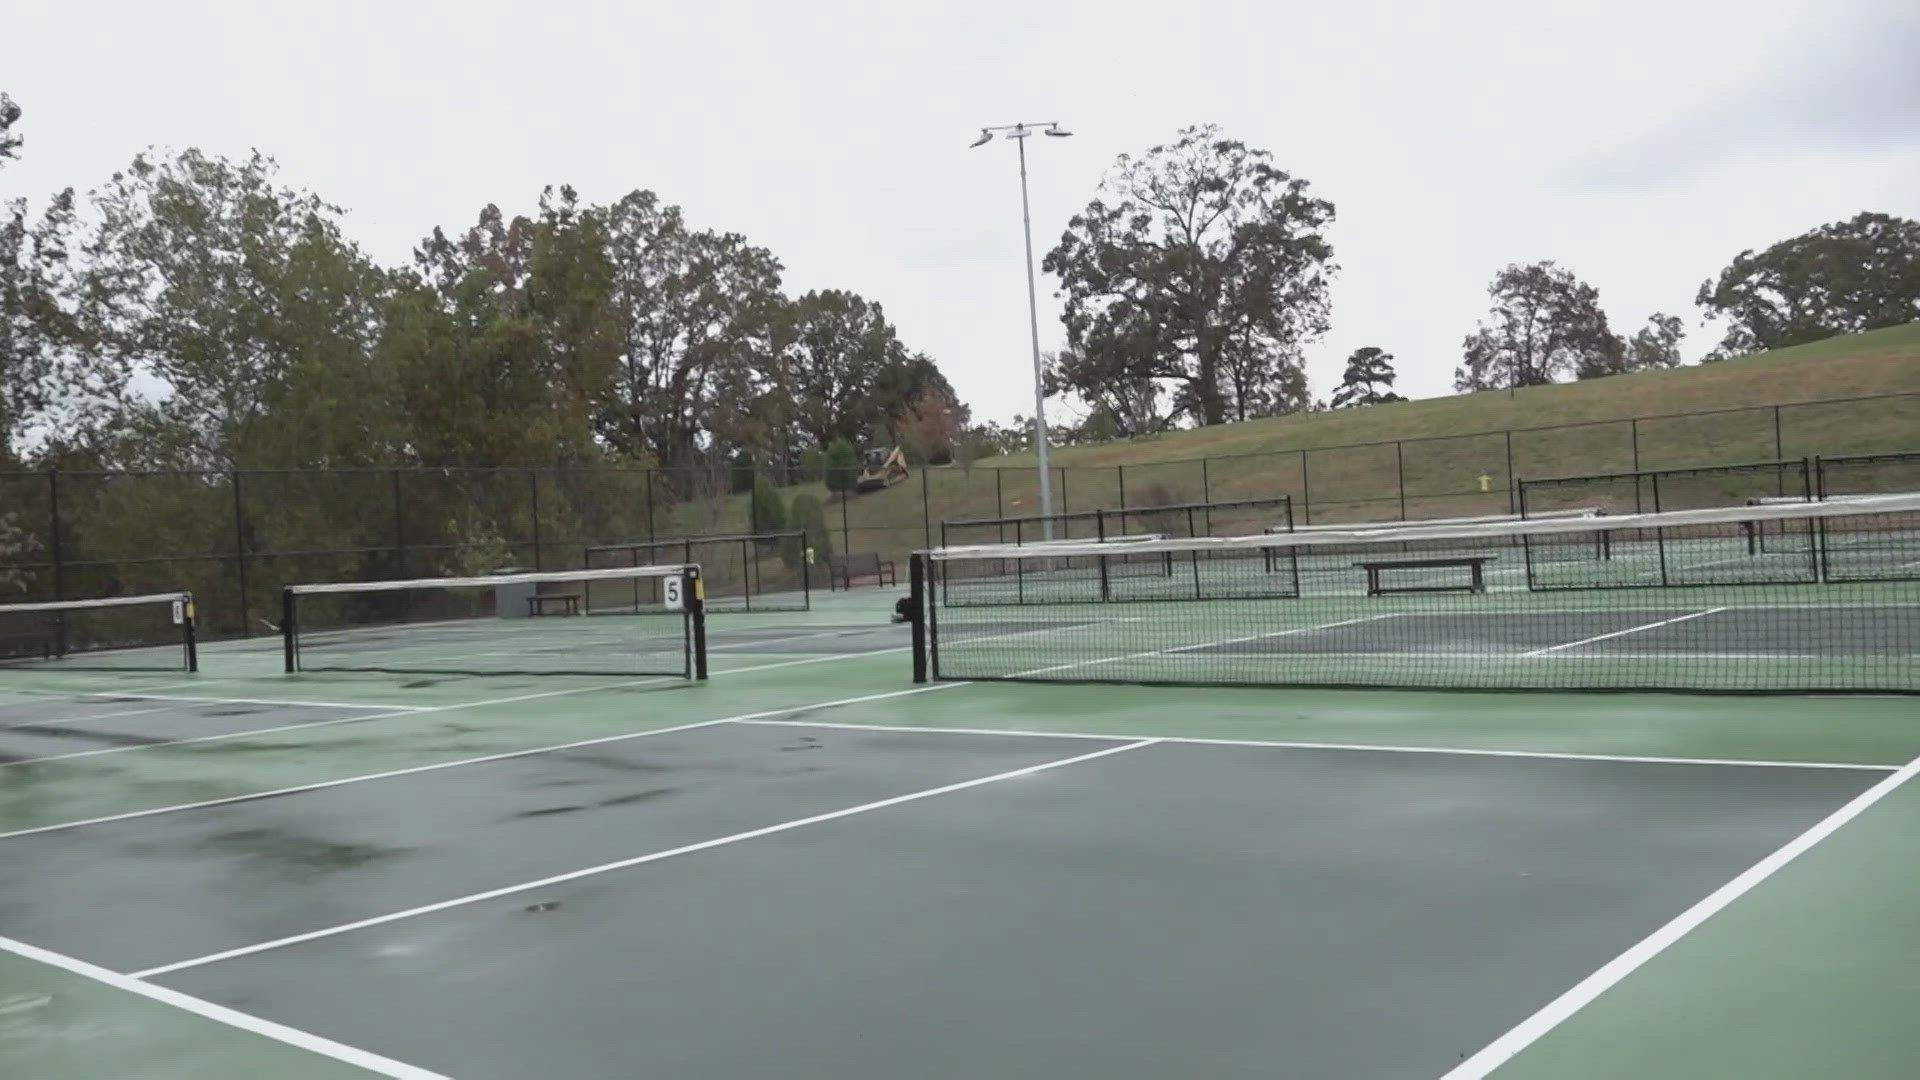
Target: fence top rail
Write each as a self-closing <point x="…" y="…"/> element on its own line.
<point x="1867" y="459"/>
<point x="1272" y="501"/>
<point x="677" y="541"/>
<point x="1687" y="470"/>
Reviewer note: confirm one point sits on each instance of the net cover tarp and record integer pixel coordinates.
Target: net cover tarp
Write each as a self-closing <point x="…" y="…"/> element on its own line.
<point x="122" y="633"/>
<point x="1687" y="601"/>
<point x="500" y="624"/>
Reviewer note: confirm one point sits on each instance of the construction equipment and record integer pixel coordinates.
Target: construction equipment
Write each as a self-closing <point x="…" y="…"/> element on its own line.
<point x="881" y="468"/>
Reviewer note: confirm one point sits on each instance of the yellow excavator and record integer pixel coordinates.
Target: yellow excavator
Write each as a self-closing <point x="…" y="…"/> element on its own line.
<point x="881" y="468"/>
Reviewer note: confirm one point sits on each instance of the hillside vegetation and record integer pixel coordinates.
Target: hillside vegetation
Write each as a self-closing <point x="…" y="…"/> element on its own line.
<point x="1432" y="458"/>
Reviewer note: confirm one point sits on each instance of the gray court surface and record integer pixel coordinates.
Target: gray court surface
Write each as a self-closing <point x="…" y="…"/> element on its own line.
<point x="1164" y="910"/>
<point x="35" y="729"/>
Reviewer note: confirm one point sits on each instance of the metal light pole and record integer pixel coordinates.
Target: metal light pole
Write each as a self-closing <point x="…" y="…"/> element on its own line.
<point x="1019" y="133"/>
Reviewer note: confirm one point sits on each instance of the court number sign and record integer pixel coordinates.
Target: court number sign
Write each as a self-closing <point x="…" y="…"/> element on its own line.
<point x="674" y="590"/>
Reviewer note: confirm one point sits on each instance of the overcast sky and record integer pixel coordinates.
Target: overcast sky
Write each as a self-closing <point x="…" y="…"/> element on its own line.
<point x="1642" y="143"/>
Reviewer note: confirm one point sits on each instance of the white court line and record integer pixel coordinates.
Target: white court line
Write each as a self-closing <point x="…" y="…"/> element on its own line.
<point x="1197" y="645"/>
<point x="1623" y="633"/>
<point x="504" y="756"/>
<point x="1459" y="751"/>
<point x="1557" y="1011"/>
<point x="220" y="1014"/>
<point x="417" y="710"/>
<point x="639" y="860"/>
<point x="191" y="699"/>
<point x="13" y="725"/>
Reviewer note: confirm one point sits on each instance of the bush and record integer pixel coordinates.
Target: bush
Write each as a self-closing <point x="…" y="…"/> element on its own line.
<point x="842" y="466"/>
<point x="813" y="465"/>
<point x="740" y="472"/>
<point x="767" y="513"/>
<point x="810" y="517"/>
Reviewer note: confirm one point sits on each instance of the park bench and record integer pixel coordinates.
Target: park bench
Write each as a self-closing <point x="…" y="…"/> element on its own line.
<point x="1474" y="564"/>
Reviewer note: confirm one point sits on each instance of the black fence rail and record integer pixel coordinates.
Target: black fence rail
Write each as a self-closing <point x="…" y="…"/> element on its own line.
<point x="236" y="538"/>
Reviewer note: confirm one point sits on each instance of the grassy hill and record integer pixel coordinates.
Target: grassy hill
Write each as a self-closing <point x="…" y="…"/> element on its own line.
<point x="1431" y="458"/>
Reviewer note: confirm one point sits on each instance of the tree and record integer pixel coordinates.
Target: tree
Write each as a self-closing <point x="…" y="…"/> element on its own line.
<point x="9" y="115"/>
<point x="740" y="472"/>
<point x="1545" y="323"/>
<point x="1655" y="345"/>
<point x="813" y="464"/>
<point x="842" y="467"/>
<point x="1202" y="267"/>
<point x="845" y="369"/>
<point x="693" y="310"/>
<point x="931" y="428"/>
<point x="1368" y="379"/>
<point x="766" y="513"/>
<point x="810" y="517"/>
<point x="1840" y="278"/>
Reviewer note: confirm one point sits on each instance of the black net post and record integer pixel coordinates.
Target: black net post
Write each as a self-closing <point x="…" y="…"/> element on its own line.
<point x="188" y="639"/>
<point x="916" y="609"/>
<point x="696" y="621"/>
<point x="287" y="632"/>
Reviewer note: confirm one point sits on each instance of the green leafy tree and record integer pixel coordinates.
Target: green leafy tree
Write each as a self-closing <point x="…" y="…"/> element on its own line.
<point x="847" y="374"/>
<point x="1655" y="345"/>
<point x="1201" y="267"/>
<point x="842" y="467"/>
<point x="740" y="472"/>
<point x="1848" y="276"/>
<point x="694" y="310"/>
<point x="1545" y="323"/>
<point x="767" y="513"/>
<point x="1368" y="379"/>
<point x="809" y="517"/>
<point x="813" y="465"/>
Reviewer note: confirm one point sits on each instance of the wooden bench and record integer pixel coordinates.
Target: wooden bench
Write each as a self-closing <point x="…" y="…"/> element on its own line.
<point x="842" y="569"/>
<point x="1475" y="565"/>
<point x="540" y="603"/>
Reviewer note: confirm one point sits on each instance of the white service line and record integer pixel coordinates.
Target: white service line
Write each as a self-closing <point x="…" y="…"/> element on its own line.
<point x="1623" y="633"/>
<point x="1281" y="744"/>
<point x="483" y="759"/>
<point x="1196" y="645"/>
<point x="1557" y="1011"/>
<point x="639" y="860"/>
<point x="10" y="725"/>
<point x="220" y="1014"/>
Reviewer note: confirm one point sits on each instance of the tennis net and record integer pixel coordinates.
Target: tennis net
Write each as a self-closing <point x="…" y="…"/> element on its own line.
<point x="120" y="633"/>
<point x="500" y="624"/>
<point x="1684" y="603"/>
<point x="747" y="572"/>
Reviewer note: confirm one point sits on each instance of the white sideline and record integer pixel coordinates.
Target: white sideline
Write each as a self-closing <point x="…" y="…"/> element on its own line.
<point x="220" y="1014"/>
<point x="1557" y="1011"/>
<point x="639" y="860"/>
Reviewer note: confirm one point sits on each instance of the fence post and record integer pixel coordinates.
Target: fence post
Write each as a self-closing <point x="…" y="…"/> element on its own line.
<point x="1779" y="449"/>
<point x="846" y="533"/>
<point x="1063" y="492"/>
<point x="54" y="547"/>
<point x="999" y="509"/>
<point x="1633" y="429"/>
<point x="533" y="483"/>
<point x="926" y="511"/>
<point x="651" y="479"/>
<point x="240" y="553"/>
<point x="1400" y="475"/>
<point x="1120" y="472"/>
<point x="1512" y="481"/>
<point x="1306" y="491"/>
<point x="399" y="529"/>
<point x="1206" y="485"/>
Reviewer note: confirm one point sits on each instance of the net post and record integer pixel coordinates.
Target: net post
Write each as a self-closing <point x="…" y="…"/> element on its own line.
<point x="287" y="632"/>
<point x="696" y="621"/>
<point x="916" y="608"/>
<point x="187" y="637"/>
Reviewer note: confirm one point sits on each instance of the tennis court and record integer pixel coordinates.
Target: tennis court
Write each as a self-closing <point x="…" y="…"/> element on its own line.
<point x="806" y="866"/>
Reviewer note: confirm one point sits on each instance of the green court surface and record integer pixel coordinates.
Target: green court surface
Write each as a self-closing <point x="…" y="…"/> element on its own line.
<point x="809" y="866"/>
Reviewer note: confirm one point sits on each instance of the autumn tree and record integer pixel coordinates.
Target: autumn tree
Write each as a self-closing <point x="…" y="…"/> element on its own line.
<point x="1200" y="266"/>
<point x="1545" y="323"/>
